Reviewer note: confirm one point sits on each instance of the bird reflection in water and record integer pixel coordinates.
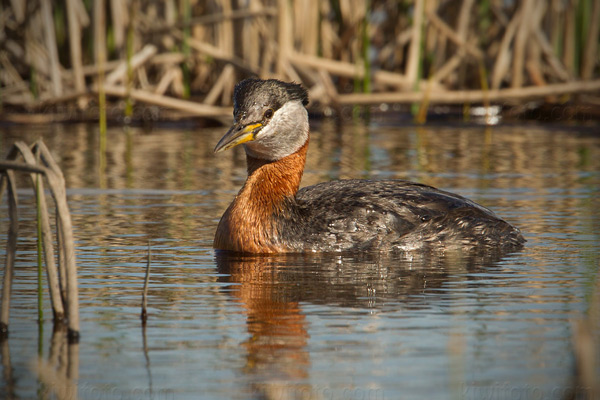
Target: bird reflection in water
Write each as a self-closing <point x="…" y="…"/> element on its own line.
<point x="277" y="358"/>
<point x="273" y="289"/>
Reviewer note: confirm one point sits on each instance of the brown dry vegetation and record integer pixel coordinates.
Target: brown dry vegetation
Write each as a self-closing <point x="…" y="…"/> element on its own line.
<point x="60" y="59"/>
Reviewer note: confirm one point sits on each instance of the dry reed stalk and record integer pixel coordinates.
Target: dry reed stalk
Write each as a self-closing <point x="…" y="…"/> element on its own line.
<point x="18" y="8"/>
<point x="346" y="69"/>
<point x="307" y="28"/>
<point x="284" y="37"/>
<point x="165" y="80"/>
<point x="62" y="267"/>
<point x="56" y="182"/>
<point x="568" y="58"/>
<point x="257" y="10"/>
<point x="532" y="66"/>
<point x="450" y="66"/>
<point x="464" y="19"/>
<point x="100" y="57"/>
<point x="555" y="64"/>
<point x="225" y="37"/>
<point x="167" y="59"/>
<point x="255" y="43"/>
<point x="92" y="69"/>
<point x="523" y="33"/>
<point x="189" y="107"/>
<point x="82" y="15"/>
<point x="328" y="35"/>
<point x="459" y="40"/>
<point x="44" y="103"/>
<point x="37" y="59"/>
<point x="130" y="46"/>
<point x="52" y="47"/>
<point x="47" y="238"/>
<point x="330" y="91"/>
<point x="119" y="17"/>
<point x="590" y="53"/>
<point x="142" y="78"/>
<point x="414" y="50"/>
<point x="291" y="73"/>
<point x="504" y="53"/>
<point x="215" y="52"/>
<point x="473" y="96"/>
<point x="12" y="77"/>
<point x="75" y="48"/>
<point x="11" y="248"/>
<point x="226" y="76"/>
<point x="119" y="74"/>
<point x="533" y="49"/>
<point x="250" y="38"/>
<point x="176" y="81"/>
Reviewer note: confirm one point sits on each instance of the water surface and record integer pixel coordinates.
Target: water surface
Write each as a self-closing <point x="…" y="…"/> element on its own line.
<point x="310" y="326"/>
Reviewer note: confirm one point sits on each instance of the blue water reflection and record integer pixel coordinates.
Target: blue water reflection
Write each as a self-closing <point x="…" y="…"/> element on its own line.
<point x="350" y="326"/>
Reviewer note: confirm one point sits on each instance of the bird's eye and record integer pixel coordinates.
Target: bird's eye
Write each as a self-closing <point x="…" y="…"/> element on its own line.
<point x="268" y="114"/>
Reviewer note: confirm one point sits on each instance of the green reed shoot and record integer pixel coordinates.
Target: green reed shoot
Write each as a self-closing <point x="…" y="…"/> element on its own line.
<point x="39" y="249"/>
<point x="364" y="85"/>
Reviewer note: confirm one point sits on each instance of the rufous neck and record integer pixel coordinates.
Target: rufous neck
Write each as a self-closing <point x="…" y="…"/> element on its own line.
<point x="279" y="178"/>
<point x="247" y="225"/>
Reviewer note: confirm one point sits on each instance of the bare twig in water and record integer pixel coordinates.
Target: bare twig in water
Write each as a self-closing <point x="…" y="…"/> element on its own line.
<point x="144" y="315"/>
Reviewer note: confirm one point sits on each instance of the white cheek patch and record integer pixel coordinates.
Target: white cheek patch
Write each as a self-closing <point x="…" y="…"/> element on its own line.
<point x="283" y="135"/>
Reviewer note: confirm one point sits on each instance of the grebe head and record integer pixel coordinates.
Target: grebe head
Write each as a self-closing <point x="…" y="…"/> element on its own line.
<point x="269" y="118"/>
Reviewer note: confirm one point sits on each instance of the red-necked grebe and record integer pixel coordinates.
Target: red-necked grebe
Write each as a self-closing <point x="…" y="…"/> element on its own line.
<point x="270" y="214"/>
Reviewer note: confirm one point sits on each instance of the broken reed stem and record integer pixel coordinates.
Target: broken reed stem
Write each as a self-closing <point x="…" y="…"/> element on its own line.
<point x="39" y="250"/>
<point x="144" y="315"/>
<point x="48" y="245"/>
<point x="65" y="238"/>
<point x="11" y="249"/>
<point x="57" y="186"/>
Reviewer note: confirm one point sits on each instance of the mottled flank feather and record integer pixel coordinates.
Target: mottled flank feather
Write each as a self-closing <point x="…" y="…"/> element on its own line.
<point x="350" y="215"/>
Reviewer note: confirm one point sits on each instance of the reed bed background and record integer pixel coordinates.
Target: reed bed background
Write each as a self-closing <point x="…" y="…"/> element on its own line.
<point x="64" y="60"/>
